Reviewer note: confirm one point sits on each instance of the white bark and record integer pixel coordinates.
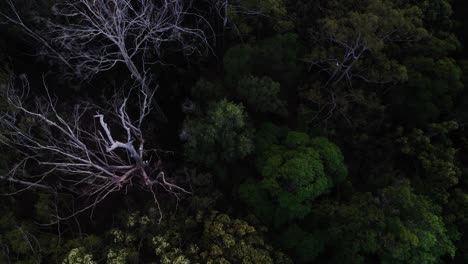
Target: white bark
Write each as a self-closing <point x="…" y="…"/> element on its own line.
<point x="92" y="152"/>
<point x="92" y="36"/>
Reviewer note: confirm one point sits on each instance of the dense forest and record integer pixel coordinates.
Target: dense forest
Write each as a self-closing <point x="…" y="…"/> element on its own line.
<point x="233" y="131"/>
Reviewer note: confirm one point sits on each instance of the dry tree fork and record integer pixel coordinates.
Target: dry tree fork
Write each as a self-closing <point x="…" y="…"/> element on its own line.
<point x="92" y="36"/>
<point x="88" y="37"/>
<point x="92" y="152"/>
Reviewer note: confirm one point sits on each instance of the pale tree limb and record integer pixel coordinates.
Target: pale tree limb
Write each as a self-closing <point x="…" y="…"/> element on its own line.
<point x="92" y="36"/>
<point x="91" y="152"/>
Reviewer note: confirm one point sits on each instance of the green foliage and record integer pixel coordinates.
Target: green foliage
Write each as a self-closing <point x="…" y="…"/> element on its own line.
<point x="261" y="94"/>
<point x="206" y="91"/>
<point x="375" y="24"/>
<point x="440" y="171"/>
<point x="16" y="236"/>
<point x="331" y="157"/>
<point x="264" y="15"/>
<point x="456" y="218"/>
<point x="87" y="244"/>
<point x="78" y="256"/>
<point x="380" y="78"/>
<point x="23" y="240"/>
<point x="305" y="246"/>
<point x="4" y="107"/>
<point x="404" y="43"/>
<point x="43" y="208"/>
<point x="222" y="135"/>
<point x="438" y="21"/>
<point x="4" y="78"/>
<point x="279" y="57"/>
<point x="19" y="240"/>
<point x="239" y="241"/>
<point x="205" y="193"/>
<point x="33" y="9"/>
<point x="293" y="173"/>
<point x="430" y="90"/>
<point x="420" y="235"/>
<point x="353" y="228"/>
<point x="252" y="194"/>
<point x="398" y="226"/>
<point x="167" y="252"/>
<point x="276" y="57"/>
<point x="117" y="257"/>
<point x="295" y="179"/>
<point x="434" y="78"/>
<point x="238" y="61"/>
<point x="221" y="239"/>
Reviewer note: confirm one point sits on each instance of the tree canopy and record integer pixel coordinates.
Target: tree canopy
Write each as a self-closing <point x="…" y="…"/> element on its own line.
<point x="242" y="131"/>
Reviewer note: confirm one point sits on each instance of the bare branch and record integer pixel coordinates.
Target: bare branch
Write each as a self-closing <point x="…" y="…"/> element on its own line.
<point x="92" y="36"/>
<point x="91" y="152"/>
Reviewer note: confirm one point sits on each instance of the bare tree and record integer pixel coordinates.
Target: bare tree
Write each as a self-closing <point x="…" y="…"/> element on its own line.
<point x="92" y="152"/>
<point x="340" y="66"/>
<point x="92" y="36"/>
<point x="234" y="15"/>
<point x="96" y="151"/>
<point x="356" y="43"/>
<point x="224" y="7"/>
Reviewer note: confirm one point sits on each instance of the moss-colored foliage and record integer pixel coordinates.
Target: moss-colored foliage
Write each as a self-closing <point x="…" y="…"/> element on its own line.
<point x="438" y="21"/>
<point x="398" y="226"/>
<point x="461" y="100"/>
<point x="430" y="90"/>
<point x="221" y="135"/>
<point x="4" y="72"/>
<point x="205" y="194"/>
<point x="117" y="257"/>
<point x="205" y="90"/>
<point x="293" y="173"/>
<point x="78" y="256"/>
<point x="456" y="218"/>
<point x="280" y="57"/>
<point x="167" y="252"/>
<point x="396" y="33"/>
<point x="211" y="237"/>
<point x="305" y="246"/>
<point x="434" y="78"/>
<point x="91" y="245"/>
<point x="377" y="24"/>
<point x="276" y="57"/>
<point x="380" y="78"/>
<point x="420" y="234"/>
<point x="270" y="15"/>
<point x="239" y="61"/>
<point x="331" y="157"/>
<point x="15" y="237"/>
<point x="24" y="241"/>
<point x="436" y="158"/>
<point x="4" y="107"/>
<point x="264" y="208"/>
<point x="295" y="178"/>
<point x="238" y="241"/>
<point x="43" y="208"/>
<point x="119" y="245"/>
<point x="19" y="238"/>
<point x="261" y="94"/>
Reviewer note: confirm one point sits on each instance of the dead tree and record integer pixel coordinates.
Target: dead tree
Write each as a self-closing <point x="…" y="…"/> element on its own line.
<point x="357" y="47"/>
<point x="341" y="65"/>
<point x="88" y="37"/>
<point x="92" y="36"/>
<point x="93" y="151"/>
<point x="356" y="43"/>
